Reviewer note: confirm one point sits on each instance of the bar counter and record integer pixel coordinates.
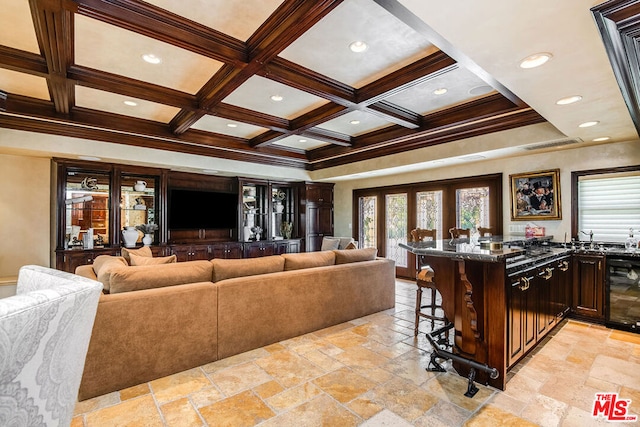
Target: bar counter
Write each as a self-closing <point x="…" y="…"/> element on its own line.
<point x="475" y="287"/>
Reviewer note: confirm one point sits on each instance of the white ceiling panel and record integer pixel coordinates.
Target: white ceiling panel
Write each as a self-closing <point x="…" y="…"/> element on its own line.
<point x="114" y="103"/>
<point x="300" y="142"/>
<point x="23" y="84"/>
<point x="459" y="85"/>
<point x="355" y="123"/>
<point x="228" y="127"/>
<point x="255" y="94"/>
<point x="17" y="29"/>
<point x="325" y="47"/>
<point x="115" y="50"/>
<point x="239" y="19"/>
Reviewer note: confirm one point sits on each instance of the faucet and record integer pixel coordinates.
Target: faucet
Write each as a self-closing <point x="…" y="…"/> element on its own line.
<point x="590" y="234"/>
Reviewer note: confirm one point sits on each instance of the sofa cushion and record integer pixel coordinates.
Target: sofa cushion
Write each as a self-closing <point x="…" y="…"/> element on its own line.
<point x="330" y="243"/>
<point x="125" y="279"/>
<point x="345" y="256"/>
<point x="102" y="266"/>
<point x="145" y="260"/>
<point x="308" y="260"/>
<point x="230" y="268"/>
<point x="143" y="251"/>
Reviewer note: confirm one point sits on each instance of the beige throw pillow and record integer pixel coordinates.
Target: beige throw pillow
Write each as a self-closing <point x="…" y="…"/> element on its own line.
<point x="330" y="243"/>
<point x="351" y="245"/>
<point x="145" y="260"/>
<point x="345" y="256"/>
<point x="157" y="276"/>
<point x="230" y="268"/>
<point x="308" y="260"/>
<point x="103" y="265"/>
<point x="143" y="251"/>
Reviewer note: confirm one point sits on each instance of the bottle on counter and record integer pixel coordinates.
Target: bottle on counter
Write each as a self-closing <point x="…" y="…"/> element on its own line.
<point x="631" y="244"/>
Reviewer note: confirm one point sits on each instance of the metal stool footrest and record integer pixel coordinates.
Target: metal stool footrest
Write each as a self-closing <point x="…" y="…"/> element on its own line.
<point x="435" y="338"/>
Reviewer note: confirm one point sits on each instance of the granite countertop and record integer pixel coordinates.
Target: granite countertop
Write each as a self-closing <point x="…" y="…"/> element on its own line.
<point x="460" y="249"/>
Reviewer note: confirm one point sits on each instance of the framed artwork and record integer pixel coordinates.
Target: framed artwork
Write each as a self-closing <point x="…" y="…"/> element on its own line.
<point x="535" y="195"/>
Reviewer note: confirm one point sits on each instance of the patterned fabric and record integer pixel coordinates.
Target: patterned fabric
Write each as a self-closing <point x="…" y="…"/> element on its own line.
<point x="44" y="336"/>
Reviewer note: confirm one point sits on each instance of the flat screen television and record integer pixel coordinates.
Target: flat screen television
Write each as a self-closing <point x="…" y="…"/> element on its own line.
<point x="197" y="209"/>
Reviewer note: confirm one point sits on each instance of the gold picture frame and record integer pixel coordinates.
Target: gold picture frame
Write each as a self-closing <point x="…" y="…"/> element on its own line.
<point x="535" y="195"/>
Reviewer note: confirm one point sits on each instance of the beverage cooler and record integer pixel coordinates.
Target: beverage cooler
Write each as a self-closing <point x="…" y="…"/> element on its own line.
<point x="623" y="292"/>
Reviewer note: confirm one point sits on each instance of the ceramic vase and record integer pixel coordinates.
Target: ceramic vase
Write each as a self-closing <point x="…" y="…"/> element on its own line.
<point x="147" y="239"/>
<point x="130" y="237"/>
<point x="279" y="207"/>
<point x="140" y="185"/>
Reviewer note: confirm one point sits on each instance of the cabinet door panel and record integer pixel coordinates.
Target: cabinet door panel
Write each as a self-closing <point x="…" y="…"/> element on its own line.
<point x="588" y="286"/>
<point x="515" y="314"/>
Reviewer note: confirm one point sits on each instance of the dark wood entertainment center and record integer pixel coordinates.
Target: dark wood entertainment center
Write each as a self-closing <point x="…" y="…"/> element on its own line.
<point x="107" y="197"/>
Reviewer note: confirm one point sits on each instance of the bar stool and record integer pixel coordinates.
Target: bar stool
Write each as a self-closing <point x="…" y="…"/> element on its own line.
<point x="459" y="232"/>
<point x="485" y="231"/>
<point x="425" y="280"/>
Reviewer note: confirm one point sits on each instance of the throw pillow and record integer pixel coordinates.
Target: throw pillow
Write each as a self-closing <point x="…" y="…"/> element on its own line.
<point x="145" y="260"/>
<point x="158" y="276"/>
<point x="230" y="268"/>
<point x="308" y="260"/>
<point x="351" y="245"/>
<point x="103" y="265"/>
<point x="345" y="256"/>
<point x="330" y="243"/>
<point x="344" y="242"/>
<point x="143" y="251"/>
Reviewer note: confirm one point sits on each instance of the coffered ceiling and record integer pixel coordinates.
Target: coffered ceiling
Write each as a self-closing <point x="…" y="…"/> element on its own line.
<point x="277" y="82"/>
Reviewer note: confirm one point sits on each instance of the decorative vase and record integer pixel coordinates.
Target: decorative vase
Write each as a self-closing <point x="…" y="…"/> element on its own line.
<point x="130" y="236"/>
<point x="140" y="185"/>
<point x="147" y="239"/>
<point x="279" y="207"/>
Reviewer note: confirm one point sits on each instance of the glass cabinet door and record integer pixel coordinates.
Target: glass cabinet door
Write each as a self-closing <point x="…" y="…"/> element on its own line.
<point x="138" y="203"/>
<point x="87" y="209"/>
<point x="282" y="217"/>
<point x="255" y="205"/>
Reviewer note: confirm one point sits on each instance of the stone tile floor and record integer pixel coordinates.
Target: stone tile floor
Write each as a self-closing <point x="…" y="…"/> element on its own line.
<point x="371" y="372"/>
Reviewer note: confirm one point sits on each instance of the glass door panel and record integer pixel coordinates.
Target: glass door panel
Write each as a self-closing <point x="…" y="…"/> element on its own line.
<point x="138" y="201"/>
<point x="368" y="220"/>
<point x="396" y="228"/>
<point x="472" y="208"/>
<point x="429" y="211"/>
<point x="87" y="208"/>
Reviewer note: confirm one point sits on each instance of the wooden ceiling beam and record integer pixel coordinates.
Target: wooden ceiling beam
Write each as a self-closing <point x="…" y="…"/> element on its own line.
<point x="126" y="86"/>
<point x="159" y="24"/>
<point x="395" y="114"/>
<point x="335" y="138"/>
<point x="54" y="31"/>
<point x="23" y="62"/>
<point x="266" y="138"/>
<point x="256" y="118"/>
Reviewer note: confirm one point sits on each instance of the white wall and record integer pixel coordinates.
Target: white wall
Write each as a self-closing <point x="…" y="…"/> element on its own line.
<point x="569" y="160"/>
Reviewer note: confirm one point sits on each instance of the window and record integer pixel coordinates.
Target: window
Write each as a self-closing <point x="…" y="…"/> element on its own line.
<point x="609" y="205"/>
<point x="429" y="209"/>
<point x="396" y="228"/>
<point x="367" y="220"/>
<point x="472" y="208"/>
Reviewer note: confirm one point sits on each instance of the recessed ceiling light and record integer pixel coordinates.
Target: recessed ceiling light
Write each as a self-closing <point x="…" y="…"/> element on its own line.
<point x="569" y="100"/>
<point x="358" y="46"/>
<point x="210" y="171"/>
<point x="602" y="138"/>
<point x="302" y="140"/>
<point x="276" y="98"/>
<point x="355" y="122"/>
<point x="130" y="103"/>
<point x="440" y="91"/>
<point x="587" y="124"/>
<point x="151" y="58"/>
<point x="535" y="60"/>
<point x="90" y="158"/>
<point x="480" y="90"/>
<point x="232" y="125"/>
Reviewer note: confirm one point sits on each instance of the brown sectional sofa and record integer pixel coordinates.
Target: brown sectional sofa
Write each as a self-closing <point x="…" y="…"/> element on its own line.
<point x="162" y="319"/>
